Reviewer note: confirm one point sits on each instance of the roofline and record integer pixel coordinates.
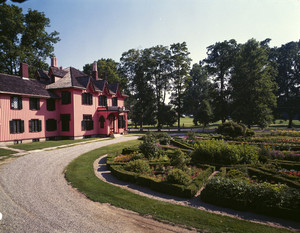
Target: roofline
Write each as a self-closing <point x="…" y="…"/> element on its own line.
<point x="22" y="94"/>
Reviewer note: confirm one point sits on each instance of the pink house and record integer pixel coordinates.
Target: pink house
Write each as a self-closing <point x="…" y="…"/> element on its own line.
<point x="59" y="103"/>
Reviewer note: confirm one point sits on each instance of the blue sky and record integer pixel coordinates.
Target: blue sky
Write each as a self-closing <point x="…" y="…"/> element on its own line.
<point x="94" y="29"/>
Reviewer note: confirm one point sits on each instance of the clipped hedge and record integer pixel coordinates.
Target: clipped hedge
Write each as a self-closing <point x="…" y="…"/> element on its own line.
<point x="219" y="152"/>
<point x="269" y="175"/>
<point x="275" y="200"/>
<point x="163" y="187"/>
<point x="181" y="145"/>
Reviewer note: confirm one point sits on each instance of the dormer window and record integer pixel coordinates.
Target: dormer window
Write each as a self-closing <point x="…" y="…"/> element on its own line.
<point x="87" y="99"/>
<point x="115" y="101"/>
<point x="102" y="100"/>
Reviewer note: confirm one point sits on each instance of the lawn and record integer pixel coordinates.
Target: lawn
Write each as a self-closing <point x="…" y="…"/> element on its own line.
<point x="80" y="174"/>
<point x="47" y="144"/>
<point x="5" y="152"/>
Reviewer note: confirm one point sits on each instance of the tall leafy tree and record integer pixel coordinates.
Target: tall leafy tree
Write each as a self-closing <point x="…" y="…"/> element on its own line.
<point x="157" y="67"/>
<point x="107" y="69"/>
<point x="287" y="58"/>
<point x="198" y="95"/>
<point x="141" y="92"/>
<point x="253" y="85"/>
<point x="23" y="38"/>
<point x="219" y="62"/>
<point x="180" y="67"/>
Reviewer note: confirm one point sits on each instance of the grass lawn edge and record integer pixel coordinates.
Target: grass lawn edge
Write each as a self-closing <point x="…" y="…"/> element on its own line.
<point x="80" y="174"/>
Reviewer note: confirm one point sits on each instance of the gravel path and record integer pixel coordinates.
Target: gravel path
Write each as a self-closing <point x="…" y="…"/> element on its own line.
<point x="104" y="174"/>
<point x="35" y="197"/>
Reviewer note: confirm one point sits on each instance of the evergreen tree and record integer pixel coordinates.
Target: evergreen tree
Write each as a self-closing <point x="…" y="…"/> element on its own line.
<point x="253" y="85"/>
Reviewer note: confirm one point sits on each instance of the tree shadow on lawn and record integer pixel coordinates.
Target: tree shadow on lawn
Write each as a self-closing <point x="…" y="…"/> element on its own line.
<point x="104" y="174"/>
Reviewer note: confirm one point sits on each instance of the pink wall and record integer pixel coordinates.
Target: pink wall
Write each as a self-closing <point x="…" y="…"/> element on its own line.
<point x="7" y="114"/>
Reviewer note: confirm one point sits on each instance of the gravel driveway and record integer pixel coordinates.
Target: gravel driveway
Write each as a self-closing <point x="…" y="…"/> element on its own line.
<point x="35" y="197"/>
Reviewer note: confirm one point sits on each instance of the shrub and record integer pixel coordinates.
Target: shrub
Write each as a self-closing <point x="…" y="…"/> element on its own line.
<point x="130" y="150"/>
<point x="138" y="166"/>
<point x="149" y="148"/>
<point x="233" y="129"/>
<point x="179" y="160"/>
<point x="137" y="155"/>
<point x="177" y="176"/>
<point x="165" y="139"/>
<point x="219" y="152"/>
<point x="244" y="195"/>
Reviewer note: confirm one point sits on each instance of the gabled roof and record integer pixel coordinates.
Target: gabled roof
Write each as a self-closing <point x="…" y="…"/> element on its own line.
<point x="57" y="71"/>
<point x="15" y="85"/>
<point x="74" y="78"/>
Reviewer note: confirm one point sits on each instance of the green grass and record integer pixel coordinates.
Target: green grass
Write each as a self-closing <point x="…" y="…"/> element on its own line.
<point x="42" y="145"/>
<point x="5" y="152"/>
<point x="80" y="174"/>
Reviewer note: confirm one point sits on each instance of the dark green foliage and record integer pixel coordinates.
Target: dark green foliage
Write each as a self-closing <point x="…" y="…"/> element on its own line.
<point x="24" y="38"/>
<point x="181" y="145"/>
<point x="253" y="85"/>
<point x="219" y="152"/>
<point x="130" y="150"/>
<point x="177" y="176"/>
<point x="137" y="156"/>
<point x="243" y="195"/>
<point x="149" y="147"/>
<point x="164" y="139"/>
<point x="179" y="159"/>
<point x="233" y="129"/>
<point x="138" y="166"/>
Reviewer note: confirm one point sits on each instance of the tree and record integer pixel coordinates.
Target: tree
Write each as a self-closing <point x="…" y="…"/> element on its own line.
<point x="18" y="1"/>
<point x="180" y="66"/>
<point x="167" y="116"/>
<point x="131" y="66"/>
<point x="198" y="95"/>
<point x="253" y="85"/>
<point x="157" y="67"/>
<point x="107" y="69"/>
<point x="23" y="38"/>
<point x="287" y="58"/>
<point x="219" y="63"/>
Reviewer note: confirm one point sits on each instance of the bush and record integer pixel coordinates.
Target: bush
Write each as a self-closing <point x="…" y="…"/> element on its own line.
<point x="177" y="176"/>
<point x="165" y="139"/>
<point x="130" y="150"/>
<point x="138" y="166"/>
<point x="219" y="152"/>
<point x="243" y="195"/>
<point x="179" y="160"/>
<point x="233" y="129"/>
<point x="136" y="156"/>
<point x="149" y="148"/>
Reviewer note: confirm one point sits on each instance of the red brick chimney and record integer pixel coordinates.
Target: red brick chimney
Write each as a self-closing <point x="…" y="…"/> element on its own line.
<point x="53" y="62"/>
<point x="24" y="70"/>
<point x="95" y="71"/>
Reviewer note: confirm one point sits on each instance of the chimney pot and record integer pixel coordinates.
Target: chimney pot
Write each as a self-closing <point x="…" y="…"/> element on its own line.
<point x="95" y="71"/>
<point x="53" y="62"/>
<point x="24" y="70"/>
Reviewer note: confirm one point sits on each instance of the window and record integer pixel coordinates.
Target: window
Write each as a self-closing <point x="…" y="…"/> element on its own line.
<point x="34" y="104"/>
<point x="121" y="122"/>
<point x="115" y="101"/>
<point x="102" y="121"/>
<point x="16" y="102"/>
<point x="65" y="97"/>
<point x="35" y="125"/>
<point x="87" y="122"/>
<point x="87" y="98"/>
<point x="65" y="120"/>
<point x="51" y="125"/>
<point x="50" y="104"/>
<point x="102" y="100"/>
<point x="16" y="126"/>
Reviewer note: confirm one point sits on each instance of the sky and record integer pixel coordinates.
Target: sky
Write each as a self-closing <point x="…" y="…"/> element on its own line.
<point x="94" y="29"/>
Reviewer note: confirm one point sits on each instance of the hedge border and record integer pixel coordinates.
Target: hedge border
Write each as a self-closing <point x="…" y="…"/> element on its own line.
<point x="163" y="187"/>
